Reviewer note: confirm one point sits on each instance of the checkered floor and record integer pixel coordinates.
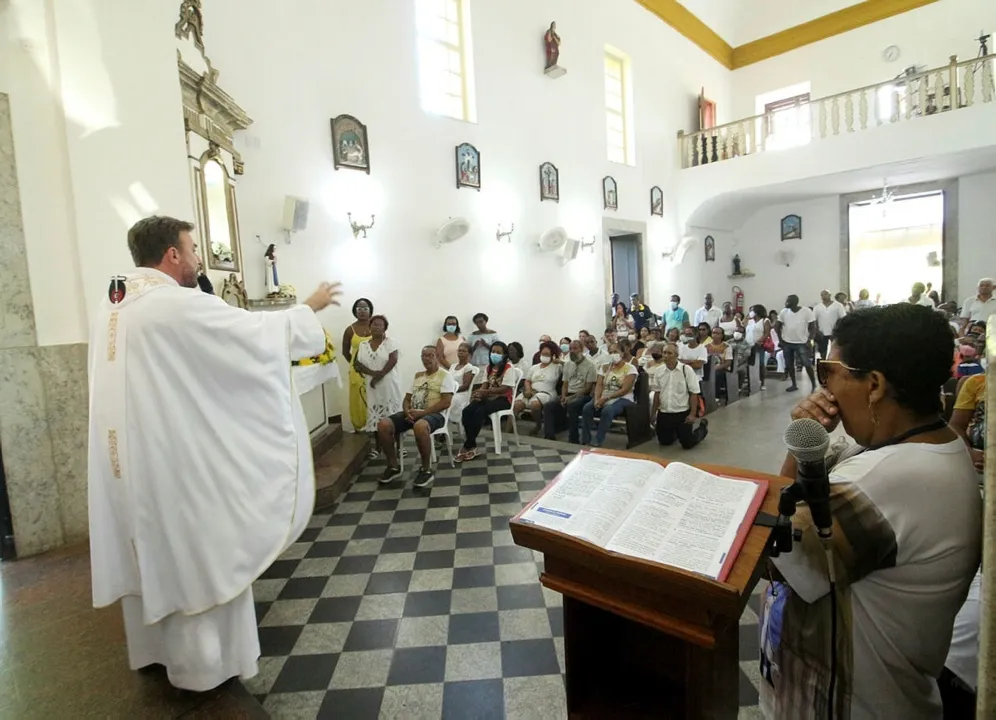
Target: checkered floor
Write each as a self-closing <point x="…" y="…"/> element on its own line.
<point x="416" y="604"/>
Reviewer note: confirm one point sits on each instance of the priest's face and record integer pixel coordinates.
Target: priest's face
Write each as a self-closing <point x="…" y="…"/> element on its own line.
<point x="183" y="261"/>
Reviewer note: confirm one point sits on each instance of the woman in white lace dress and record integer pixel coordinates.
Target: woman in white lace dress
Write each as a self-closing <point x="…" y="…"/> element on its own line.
<point x="377" y="361"/>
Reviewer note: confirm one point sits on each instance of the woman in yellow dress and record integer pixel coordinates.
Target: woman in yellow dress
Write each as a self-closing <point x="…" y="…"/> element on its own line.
<point x="351" y="339"/>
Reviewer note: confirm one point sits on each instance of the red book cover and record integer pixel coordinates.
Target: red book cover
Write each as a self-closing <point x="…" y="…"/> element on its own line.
<point x="745" y="526"/>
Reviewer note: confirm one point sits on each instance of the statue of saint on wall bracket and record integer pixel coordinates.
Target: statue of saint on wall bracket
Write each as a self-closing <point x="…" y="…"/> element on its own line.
<point x="551" y="42"/>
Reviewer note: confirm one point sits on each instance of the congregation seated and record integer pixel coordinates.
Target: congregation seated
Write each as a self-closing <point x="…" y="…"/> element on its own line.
<point x="449" y="342"/>
<point x="614" y="392"/>
<point x="722" y="351"/>
<point x="463" y="373"/>
<point x="565" y="348"/>
<point x="691" y="352"/>
<point x="494" y="394"/>
<point x="594" y="352"/>
<point x="516" y="356"/>
<point x="576" y="387"/>
<point x="540" y="385"/>
<point x="422" y="411"/>
<point x="542" y="341"/>
<point x="676" y="403"/>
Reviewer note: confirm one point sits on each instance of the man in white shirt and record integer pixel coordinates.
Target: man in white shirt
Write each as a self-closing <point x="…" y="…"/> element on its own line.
<point x="708" y="313"/>
<point x="796" y="324"/>
<point x="596" y="353"/>
<point x="200" y="469"/>
<point x="676" y="401"/>
<point x="692" y="353"/>
<point x="828" y="313"/>
<point x="981" y="306"/>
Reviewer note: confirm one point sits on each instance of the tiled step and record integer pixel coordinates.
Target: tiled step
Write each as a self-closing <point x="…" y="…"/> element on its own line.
<point x="336" y="467"/>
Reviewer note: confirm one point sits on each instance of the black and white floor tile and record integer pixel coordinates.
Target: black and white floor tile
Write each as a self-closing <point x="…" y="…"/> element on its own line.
<point x="406" y="603"/>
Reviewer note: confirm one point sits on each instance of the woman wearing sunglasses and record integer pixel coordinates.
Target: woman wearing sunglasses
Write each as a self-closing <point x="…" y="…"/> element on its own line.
<point x="907" y="531"/>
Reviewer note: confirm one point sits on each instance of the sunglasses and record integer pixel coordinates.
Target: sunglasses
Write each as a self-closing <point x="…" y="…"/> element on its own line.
<point x="823" y="369"/>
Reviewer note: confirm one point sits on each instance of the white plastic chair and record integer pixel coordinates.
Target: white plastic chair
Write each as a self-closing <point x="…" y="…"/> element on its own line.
<point x="444" y="430"/>
<point x="496" y="417"/>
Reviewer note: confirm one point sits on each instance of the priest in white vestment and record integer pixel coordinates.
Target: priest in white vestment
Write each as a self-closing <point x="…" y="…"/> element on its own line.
<point x="200" y="467"/>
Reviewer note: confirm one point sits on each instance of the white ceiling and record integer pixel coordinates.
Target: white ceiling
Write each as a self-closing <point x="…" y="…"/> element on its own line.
<point x="740" y="21"/>
<point x="732" y="210"/>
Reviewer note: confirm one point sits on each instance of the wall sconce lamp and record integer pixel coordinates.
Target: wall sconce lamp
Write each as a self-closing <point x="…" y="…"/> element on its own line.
<point x="589" y="246"/>
<point x="357" y="228"/>
<point x="499" y="235"/>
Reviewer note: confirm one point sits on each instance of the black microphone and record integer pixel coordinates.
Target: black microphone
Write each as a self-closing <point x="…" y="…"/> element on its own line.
<point x="807" y="441"/>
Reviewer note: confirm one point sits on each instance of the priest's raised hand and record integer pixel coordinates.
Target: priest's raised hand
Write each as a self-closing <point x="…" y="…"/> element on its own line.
<point x="200" y="468"/>
<point x="326" y="294"/>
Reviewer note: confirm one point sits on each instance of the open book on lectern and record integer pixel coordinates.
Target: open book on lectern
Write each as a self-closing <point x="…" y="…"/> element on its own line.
<point x="676" y="515"/>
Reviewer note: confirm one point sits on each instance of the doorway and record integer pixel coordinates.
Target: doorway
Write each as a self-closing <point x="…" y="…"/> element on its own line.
<point x="6" y="523"/>
<point x="904" y="234"/>
<point x="625" y="254"/>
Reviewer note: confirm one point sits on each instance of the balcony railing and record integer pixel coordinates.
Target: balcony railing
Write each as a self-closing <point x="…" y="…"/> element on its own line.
<point x="906" y="98"/>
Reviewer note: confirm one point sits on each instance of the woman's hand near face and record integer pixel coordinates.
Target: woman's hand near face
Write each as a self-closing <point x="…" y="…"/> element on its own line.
<point x="820" y="406"/>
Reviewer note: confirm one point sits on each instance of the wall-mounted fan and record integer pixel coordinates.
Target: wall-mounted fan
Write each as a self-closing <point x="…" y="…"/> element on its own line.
<point x="452" y="230"/>
<point x="552" y="240"/>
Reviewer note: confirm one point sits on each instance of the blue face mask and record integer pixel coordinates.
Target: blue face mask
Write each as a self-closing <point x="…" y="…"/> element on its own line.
<point x="496" y="358"/>
<point x="565" y="348"/>
<point x="451" y="328"/>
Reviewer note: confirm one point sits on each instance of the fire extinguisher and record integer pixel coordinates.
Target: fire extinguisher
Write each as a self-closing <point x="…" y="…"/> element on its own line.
<point x="738" y="299"/>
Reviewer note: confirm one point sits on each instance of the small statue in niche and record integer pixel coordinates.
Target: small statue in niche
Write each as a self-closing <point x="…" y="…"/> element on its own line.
<point x="272" y="281"/>
<point x="552" y="42"/>
<point x="736" y="265"/>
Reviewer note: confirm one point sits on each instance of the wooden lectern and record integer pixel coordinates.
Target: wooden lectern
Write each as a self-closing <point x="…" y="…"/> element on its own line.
<point x="643" y="640"/>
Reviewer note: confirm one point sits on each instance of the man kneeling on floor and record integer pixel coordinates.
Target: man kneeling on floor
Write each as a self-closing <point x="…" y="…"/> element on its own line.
<point x="676" y="404"/>
<point x="422" y="411"/>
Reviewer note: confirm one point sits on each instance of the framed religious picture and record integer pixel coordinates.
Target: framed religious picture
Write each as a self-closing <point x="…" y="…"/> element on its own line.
<point x="549" y="182"/>
<point x="350" y="146"/>
<point x="610" y="195"/>
<point x="710" y="249"/>
<point x="468" y="166"/>
<point x="791" y="227"/>
<point x="656" y="201"/>
<point x="707" y="112"/>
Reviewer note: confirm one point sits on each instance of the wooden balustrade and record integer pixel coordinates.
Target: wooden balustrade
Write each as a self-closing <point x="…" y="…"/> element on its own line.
<point x="951" y="87"/>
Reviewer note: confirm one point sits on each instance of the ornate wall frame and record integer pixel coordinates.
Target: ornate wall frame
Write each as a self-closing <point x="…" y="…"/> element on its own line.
<point x="214" y="154"/>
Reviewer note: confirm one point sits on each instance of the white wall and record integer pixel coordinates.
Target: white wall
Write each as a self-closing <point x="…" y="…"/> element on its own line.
<point x="926" y="36"/>
<point x="29" y="74"/>
<point x="976" y="231"/>
<point x="98" y="137"/>
<point x="299" y="73"/>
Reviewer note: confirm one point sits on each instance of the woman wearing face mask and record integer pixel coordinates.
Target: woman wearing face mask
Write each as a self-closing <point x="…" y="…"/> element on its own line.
<point x="759" y="336"/>
<point x="613" y="393"/>
<point x="493" y="395"/>
<point x="540" y="385"/>
<point x="907" y="531"/>
<point x="449" y="342"/>
<point x="351" y="339"/>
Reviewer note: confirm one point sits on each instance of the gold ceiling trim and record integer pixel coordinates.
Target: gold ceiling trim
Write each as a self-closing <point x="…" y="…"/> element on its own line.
<point x="836" y="23"/>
